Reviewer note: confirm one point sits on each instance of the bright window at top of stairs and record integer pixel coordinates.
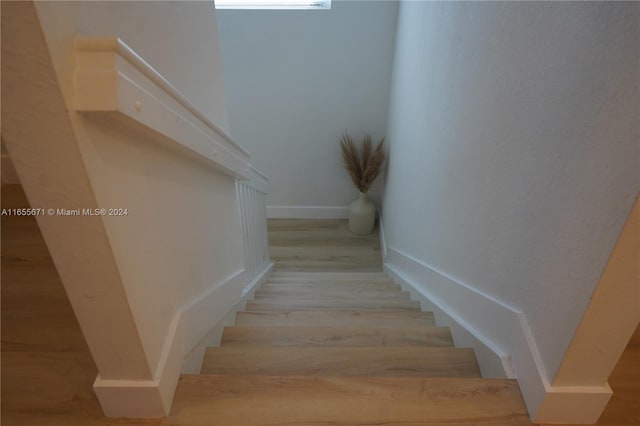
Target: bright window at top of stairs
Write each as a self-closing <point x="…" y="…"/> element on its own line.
<point x="273" y="4"/>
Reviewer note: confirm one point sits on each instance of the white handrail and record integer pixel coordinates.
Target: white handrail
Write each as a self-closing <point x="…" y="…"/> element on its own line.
<point x="110" y="77"/>
<point x="106" y="44"/>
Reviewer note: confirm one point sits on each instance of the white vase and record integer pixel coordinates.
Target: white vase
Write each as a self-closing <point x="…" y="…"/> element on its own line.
<point x="362" y="215"/>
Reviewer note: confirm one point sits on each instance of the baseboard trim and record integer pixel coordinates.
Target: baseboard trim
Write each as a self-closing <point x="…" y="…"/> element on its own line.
<point x="258" y="280"/>
<point x="497" y="332"/>
<point x="493" y="362"/>
<point x="130" y="398"/>
<point x="307" y="212"/>
<point x="573" y="404"/>
<point x="188" y="329"/>
<point x="502" y="339"/>
<point x="383" y="237"/>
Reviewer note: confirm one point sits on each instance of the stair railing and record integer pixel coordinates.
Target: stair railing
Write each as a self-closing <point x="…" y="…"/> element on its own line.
<point x="252" y="205"/>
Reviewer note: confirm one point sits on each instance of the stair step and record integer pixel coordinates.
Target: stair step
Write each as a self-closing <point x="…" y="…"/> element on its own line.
<point x="314" y="288"/>
<point x="355" y="361"/>
<point x="330" y="304"/>
<point x="334" y="318"/>
<point x="337" y="336"/>
<point x="329" y="295"/>
<point x="268" y="400"/>
<point x="345" y="286"/>
<point x="329" y="275"/>
<point x="323" y="279"/>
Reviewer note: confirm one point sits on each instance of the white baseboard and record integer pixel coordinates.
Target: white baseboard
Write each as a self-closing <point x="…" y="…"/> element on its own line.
<point x="383" y="237"/>
<point x="573" y="404"/>
<point x="477" y="320"/>
<point x="492" y="361"/>
<point x="259" y="279"/>
<point x="193" y="360"/>
<point x="501" y="338"/>
<point x="188" y="331"/>
<point x="307" y="212"/>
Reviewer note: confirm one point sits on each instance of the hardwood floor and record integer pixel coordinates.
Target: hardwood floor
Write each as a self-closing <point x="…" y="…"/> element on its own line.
<point x="332" y="401"/>
<point x="322" y="245"/>
<point x="336" y="351"/>
<point x="337" y="336"/>
<point x="47" y="370"/>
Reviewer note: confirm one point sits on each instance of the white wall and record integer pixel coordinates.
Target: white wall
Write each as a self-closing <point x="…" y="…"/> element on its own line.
<point x="168" y="246"/>
<point x="170" y="269"/>
<point x="179" y="39"/>
<point x="513" y="132"/>
<point x="295" y="81"/>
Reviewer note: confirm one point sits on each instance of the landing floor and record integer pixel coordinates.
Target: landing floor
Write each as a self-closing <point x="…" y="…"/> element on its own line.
<point x="307" y="245"/>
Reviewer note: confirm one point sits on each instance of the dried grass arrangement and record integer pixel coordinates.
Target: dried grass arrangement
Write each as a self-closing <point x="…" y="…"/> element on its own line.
<point x="363" y="167"/>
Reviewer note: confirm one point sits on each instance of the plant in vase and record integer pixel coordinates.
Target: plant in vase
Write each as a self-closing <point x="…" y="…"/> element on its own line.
<point x="363" y="166"/>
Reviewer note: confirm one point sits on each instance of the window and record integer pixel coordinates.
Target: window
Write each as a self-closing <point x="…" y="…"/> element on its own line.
<point x="272" y="4"/>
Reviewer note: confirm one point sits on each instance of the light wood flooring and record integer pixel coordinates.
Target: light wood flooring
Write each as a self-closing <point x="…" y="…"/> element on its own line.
<point x="47" y="370"/>
<point x="341" y="349"/>
<point x="322" y="245"/>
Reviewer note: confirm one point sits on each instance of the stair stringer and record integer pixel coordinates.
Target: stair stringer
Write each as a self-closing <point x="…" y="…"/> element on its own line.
<point x="500" y="335"/>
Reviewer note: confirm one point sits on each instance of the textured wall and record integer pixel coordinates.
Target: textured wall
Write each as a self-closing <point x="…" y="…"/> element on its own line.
<point x="513" y="131"/>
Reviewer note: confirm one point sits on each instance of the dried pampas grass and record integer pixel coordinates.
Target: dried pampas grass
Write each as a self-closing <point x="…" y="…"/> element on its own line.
<point x="363" y="167"/>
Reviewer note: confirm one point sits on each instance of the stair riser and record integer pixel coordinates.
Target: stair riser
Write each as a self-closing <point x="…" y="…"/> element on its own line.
<point x="330" y="275"/>
<point x="299" y="304"/>
<point x="329" y="296"/>
<point x="259" y="400"/>
<point x="337" y="336"/>
<point x="375" y="280"/>
<point x="337" y="318"/>
<point x="323" y="361"/>
<point x="330" y="287"/>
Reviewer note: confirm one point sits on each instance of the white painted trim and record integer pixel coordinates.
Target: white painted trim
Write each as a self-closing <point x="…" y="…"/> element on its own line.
<point x="503" y="330"/>
<point x="496" y="363"/>
<point x="193" y="360"/>
<point x="259" y="173"/>
<point x="258" y="280"/>
<point x="383" y="239"/>
<point x="257" y="180"/>
<point x="192" y="322"/>
<point x="93" y="44"/>
<point x="307" y="212"/>
<point x="126" y="398"/>
<point x="111" y="78"/>
<point x="464" y="303"/>
<point x="491" y="323"/>
<point x="573" y="404"/>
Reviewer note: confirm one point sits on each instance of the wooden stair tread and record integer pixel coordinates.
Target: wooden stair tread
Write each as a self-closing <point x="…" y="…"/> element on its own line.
<point x="320" y="318"/>
<point x="352" y="361"/>
<point x="341" y="349"/>
<point x="329" y="275"/>
<point x="268" y="400"/>
<point x="337" y="280"/>
<point x="331" y="295"/>
<point x="302" y="304"/>
<point x="337" y="336"/>
<point x="317" y="286"/>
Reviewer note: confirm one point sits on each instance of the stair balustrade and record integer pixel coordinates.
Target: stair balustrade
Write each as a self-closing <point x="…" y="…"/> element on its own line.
<point x="252" y="205"/>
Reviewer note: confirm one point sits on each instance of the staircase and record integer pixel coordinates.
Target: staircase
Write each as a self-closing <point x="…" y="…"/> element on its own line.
<point x="340" y="349"/>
